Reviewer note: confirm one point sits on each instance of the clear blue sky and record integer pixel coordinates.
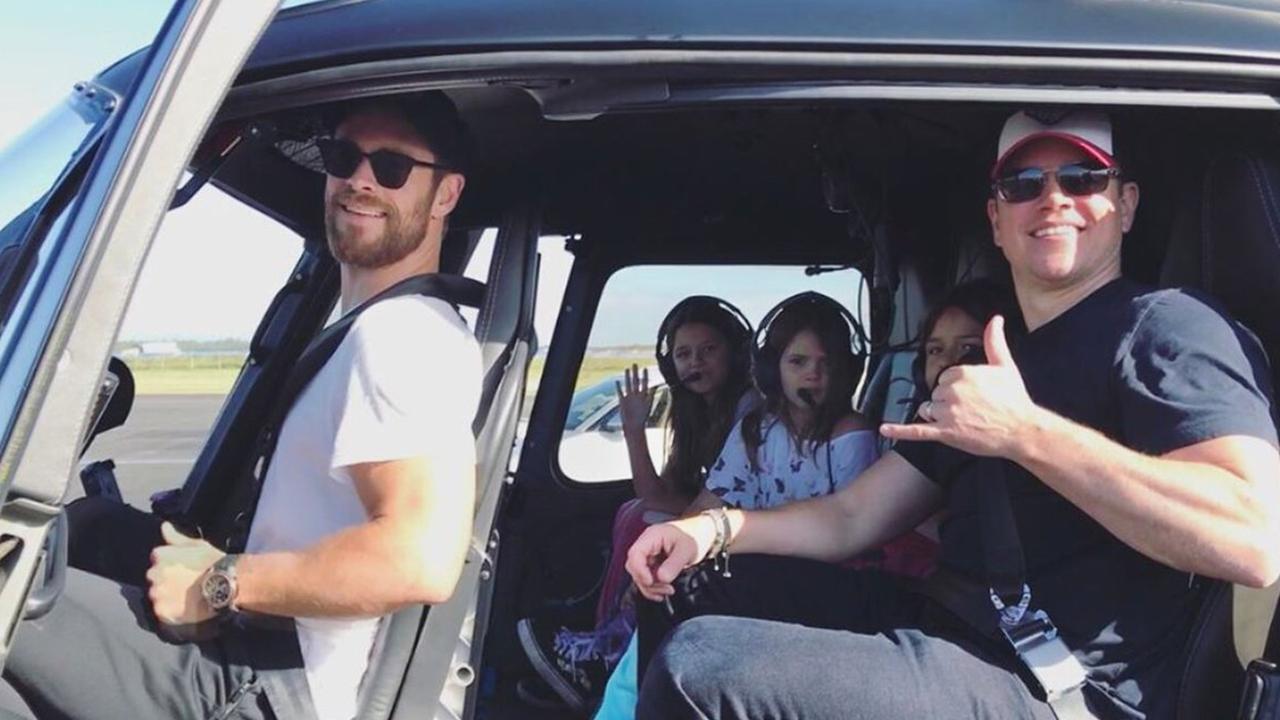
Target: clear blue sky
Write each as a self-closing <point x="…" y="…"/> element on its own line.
<point x="636" y="299"/>
<point x="50" y="44"/>
<point x="196" y="283"/>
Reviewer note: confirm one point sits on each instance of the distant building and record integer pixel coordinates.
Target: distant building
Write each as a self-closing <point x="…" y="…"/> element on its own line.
<point x="162" y="348"/>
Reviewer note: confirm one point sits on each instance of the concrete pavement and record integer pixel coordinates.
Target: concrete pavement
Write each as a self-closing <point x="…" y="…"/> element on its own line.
<point x="157" y="445"/>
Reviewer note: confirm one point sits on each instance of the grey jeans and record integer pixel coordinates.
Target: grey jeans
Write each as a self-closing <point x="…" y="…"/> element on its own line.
<point x="791" y="639"/>
<point x="97" y="654"/>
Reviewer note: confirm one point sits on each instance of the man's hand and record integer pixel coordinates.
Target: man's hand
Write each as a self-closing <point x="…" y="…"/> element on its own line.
<point x="663" y="551"/>
<point x="635" y="399"/>
<point x="176" y="570"/>
<point x="980" y="409"/>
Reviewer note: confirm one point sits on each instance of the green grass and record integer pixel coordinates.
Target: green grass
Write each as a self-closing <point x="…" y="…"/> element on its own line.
<point x="214" y="375"/>
<point x="186" y="362"/>
<point x="180" y="381"/>
<point x="593" y="370"/>
<point x="185" y="374"/>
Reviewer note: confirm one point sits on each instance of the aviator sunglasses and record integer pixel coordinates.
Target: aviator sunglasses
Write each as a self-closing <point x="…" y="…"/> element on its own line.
<point x="1075" y="180"/>
<point x="390" y="168"/>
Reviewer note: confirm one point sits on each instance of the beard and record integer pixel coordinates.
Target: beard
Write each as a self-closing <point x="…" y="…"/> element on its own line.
<point x="400" y="236"/>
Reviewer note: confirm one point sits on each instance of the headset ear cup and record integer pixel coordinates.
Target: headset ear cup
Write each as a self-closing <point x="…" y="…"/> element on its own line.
<point x="740" y="363"/>
<point x="745" y="358"/>
<point x="666" y="366"/>
<point x="757" y="372"/>
<point x="668" y="369"/>
<point x="764" y="370"/>
<point x="857" y="368"/>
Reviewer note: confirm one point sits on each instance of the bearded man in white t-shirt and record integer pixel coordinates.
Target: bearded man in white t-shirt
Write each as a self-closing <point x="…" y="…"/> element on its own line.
<point x="367" y="503"/>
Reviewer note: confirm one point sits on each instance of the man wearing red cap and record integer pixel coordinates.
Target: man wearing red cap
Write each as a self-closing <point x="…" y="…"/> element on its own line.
<point x="1124" y="442"/>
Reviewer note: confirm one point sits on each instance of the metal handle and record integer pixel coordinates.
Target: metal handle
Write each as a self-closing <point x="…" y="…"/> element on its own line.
<point x="41" y="600"/>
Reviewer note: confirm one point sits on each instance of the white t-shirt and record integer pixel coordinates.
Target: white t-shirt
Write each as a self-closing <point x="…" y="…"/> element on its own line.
<point x="785" y="475"/>
<point x="405" y="382"/>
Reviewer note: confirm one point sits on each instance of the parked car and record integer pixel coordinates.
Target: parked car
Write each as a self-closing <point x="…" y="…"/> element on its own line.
<point x="592" y="448"/>
<point x="814" y="134"/>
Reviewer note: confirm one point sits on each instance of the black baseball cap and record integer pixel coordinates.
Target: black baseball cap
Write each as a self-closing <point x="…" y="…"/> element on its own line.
<point x="431" y="113"/>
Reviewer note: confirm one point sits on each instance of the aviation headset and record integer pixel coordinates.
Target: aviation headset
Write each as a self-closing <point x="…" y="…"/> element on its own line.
<point x="765" y="359"/>
<point x="695" y="308"/>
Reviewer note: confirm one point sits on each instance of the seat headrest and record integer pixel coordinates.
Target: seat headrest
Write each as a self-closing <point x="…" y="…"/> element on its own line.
<point x="1241" y="249"/>
<point x="1234" y="253"/>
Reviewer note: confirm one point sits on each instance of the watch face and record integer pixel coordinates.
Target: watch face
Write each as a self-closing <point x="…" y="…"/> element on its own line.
<point x="217" y="590"/>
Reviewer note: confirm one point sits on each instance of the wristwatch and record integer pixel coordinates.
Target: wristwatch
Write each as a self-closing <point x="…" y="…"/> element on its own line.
<point x="219" y="585"/>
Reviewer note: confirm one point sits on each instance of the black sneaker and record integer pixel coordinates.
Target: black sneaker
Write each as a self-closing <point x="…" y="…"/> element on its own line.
<point x="568" y="661"/>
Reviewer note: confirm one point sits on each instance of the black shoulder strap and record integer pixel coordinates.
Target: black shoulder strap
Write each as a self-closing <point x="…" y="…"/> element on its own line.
<point x="1006" y="608"/>
<point x="455" y="289"/>
<point x="1001" y="544"/>
<point x="1030" y="632"/>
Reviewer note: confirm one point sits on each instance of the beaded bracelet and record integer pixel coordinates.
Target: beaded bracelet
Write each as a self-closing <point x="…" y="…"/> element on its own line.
<point x="719" y="551"/>
<point x="717" y="542"/>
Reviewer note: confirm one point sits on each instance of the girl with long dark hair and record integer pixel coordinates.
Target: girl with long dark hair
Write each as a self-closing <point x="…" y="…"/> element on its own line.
<point x="804" y="439"/>
<point x="702" y="354"/>
<point x="801" y="440"/>
<point x="952" y="333"/>
<point x="702" y="351"/>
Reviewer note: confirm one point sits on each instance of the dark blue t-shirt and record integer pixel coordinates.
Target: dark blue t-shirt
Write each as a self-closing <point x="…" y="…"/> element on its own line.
<point x="1154" y="370"/>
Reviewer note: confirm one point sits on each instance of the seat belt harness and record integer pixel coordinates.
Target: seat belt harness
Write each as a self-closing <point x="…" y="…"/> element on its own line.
<point x="456" y="290"/>
<point x="1029" y="631"/>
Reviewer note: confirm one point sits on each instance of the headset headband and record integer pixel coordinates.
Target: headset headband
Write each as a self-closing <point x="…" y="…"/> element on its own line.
<point x="665" y="328"/>
<point x="857" y="338"/>
<point x="739" y="341"/>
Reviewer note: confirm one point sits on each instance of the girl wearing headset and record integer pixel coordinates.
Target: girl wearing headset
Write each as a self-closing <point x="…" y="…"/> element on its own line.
<point x="802" y="440"/>
<point x="703" y="353"/>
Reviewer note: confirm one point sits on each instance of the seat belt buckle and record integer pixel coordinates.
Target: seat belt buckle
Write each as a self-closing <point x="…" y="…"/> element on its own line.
<point x="1035" y="640"/>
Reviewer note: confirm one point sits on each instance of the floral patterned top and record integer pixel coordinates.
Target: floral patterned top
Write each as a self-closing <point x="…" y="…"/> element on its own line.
<point x="786" y="474"/>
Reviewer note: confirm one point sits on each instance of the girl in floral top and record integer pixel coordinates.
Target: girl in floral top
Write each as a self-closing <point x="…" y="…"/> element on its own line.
<point x="803" y="440"/>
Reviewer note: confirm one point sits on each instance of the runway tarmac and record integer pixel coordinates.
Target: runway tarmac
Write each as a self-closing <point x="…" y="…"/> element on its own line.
<point x="155" y="449"/>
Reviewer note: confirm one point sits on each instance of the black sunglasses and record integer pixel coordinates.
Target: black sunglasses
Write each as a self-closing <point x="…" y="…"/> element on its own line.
<point x="390" y="168"/>
<point x="1076" y="180"/>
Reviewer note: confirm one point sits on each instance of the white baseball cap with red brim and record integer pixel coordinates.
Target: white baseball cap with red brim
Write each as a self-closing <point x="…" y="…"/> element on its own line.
<point x="1087" y="130"/>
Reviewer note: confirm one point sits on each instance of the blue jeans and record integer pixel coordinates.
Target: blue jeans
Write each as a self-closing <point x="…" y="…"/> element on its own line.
<point x="815" y="641"/>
